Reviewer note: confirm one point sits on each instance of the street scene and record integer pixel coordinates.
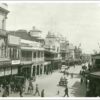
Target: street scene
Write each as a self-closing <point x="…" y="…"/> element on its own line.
<point x="49" y="50"/>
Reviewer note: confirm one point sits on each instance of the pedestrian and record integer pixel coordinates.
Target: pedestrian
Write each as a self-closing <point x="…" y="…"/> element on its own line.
<point x="21" y="92"/>
<point x="37" y="90"/>
<point x="4" y="92"/>
<point x="7" y="89"/>
<point x="81" y="80"/>
<point x="42" y="93"/>
<point x="58" y="92"/>
<point x="30" y="87"/>
<point x="66" y="92"/>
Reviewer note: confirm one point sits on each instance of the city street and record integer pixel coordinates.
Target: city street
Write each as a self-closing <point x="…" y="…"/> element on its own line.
<point x="49" y="49"/>
<point x="50" y="84"/>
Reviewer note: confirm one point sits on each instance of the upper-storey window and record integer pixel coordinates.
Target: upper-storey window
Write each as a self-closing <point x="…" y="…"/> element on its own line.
<point x="2" y="48"/>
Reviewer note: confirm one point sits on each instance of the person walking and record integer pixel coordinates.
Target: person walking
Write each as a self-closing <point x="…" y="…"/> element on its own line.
<point x="4" y="92"/>
<point x="66" y="92"/>
<point x="21" y="92"/>
<point x="37" y="90"/>
<point x="42" y="93"/>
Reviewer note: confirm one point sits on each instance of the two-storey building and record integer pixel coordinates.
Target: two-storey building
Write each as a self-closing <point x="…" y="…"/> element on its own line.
<point x="14" y="52"/>
<point x="93" y="76"/>
<point x="5" y="69"/>
<point x="31" y="54"/>
<point x="52" y="52"/>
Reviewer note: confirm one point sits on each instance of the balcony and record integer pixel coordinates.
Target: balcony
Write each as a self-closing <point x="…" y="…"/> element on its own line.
<point x="57" y="58"/>
<point x="26" y="59"/>
<point x="36" y="60"/>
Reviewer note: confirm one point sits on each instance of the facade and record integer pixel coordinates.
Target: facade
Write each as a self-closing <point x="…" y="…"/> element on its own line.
<point x="31" y="55"/>
<point x="78" y="55"/>
<point x="38" y="52"/>
<point x="52" y="52"/>
<point x="4" y="58"/>
<point x="94" y="76"/>
<point x="63" y="50"/>
<point x="14" y="53"/>
<point x="70" y="57"/>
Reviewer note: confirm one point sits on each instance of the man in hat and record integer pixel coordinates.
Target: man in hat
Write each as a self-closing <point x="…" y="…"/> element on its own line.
<point x="66" y="91"/>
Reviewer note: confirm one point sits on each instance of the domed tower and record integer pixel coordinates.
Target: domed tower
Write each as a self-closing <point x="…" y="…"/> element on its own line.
<point x="35" y="32"/>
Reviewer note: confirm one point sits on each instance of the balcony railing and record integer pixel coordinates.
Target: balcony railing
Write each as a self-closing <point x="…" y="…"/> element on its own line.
<point x="38" y="59"/>
<point x="58" y="58"/>
<point x="26" y="59"/>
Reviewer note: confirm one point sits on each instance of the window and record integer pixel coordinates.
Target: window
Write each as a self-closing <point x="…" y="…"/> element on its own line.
<point x="38" y="54"/>
<point x="13" y="53"/>
<point x="34" y="55"/>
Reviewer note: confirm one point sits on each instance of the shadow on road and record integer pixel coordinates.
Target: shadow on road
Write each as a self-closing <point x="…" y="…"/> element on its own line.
<point x="78" y="90"/>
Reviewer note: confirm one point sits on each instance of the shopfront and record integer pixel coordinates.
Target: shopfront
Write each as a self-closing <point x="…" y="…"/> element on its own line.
<point x="5" y="71"/>
<point x="15" y="66"/>
<point x="94" y="84"/>
<point x="26" y="68"/>
<point x="47" y="67"/>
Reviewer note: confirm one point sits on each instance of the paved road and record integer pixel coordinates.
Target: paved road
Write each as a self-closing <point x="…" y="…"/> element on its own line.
<point x="49" y="84"/>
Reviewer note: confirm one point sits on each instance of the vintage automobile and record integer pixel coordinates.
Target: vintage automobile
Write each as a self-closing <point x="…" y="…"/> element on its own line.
<point x="63" y="81"/>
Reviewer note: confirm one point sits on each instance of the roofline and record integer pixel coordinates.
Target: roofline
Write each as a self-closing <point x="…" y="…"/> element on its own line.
<point x="4" y="10"/>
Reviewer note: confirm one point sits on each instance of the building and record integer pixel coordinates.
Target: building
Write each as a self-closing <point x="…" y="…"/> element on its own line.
<point x="14" y="53"/>
<point x="63" y="49"/>
<point x="70" y="57"/>
<point x="31" y="54"/>
<point x="78" y="55"/>
<point x="5" y="62"/>
<point x="94" y="76"/>
<point x="52" y="52"/>
<point x="38" y="52"/>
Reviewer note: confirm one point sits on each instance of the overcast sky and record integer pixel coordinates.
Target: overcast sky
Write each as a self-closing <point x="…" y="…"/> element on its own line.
<point x="80" y="23"/>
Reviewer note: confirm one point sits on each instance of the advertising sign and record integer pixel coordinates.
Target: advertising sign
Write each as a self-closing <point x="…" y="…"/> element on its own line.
<point x="13" y="40"/>
<point x="14" y="62"/>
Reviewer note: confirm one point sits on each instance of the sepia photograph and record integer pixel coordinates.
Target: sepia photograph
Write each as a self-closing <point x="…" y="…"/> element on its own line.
<point x="49" y="49"/>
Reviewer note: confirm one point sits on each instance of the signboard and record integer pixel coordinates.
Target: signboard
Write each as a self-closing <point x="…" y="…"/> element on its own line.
<point x="13" y="40"/>
<point x="14" y="62"/>
<point x="26" y="62"/>
<point x="30" y="43"/>
<point x="8" y="71"/>
<point x="14" y="71"/>
<point x="1" y="72"/>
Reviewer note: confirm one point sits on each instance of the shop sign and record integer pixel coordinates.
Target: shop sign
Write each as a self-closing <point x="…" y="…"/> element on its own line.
<point x="46" y="63"/>
<point x="8" y="71"/>
<point x="14" y="71"/>
<point x="1" y="72"/>
<point x="13" y="40"/>
<point x="14" y="62"/>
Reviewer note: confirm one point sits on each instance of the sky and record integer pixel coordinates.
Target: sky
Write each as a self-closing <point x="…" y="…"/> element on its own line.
<point x="78" y="22"/>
